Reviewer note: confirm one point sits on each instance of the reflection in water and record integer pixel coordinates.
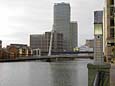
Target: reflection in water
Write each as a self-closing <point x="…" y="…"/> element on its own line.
<point x="63" y="74"/>
<point x="72" y="73"/>
<point x="39" y="74"/>
<point x="14" y="74"/>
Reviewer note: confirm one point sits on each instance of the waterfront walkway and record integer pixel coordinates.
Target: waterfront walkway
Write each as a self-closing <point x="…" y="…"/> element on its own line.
<point x="112" y="75"/>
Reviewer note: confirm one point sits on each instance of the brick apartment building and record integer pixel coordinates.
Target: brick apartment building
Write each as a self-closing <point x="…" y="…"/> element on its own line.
<point x="18" y="50"/>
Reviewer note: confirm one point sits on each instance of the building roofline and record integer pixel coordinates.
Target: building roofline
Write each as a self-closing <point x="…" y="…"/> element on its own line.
<point x="62" y="3"/>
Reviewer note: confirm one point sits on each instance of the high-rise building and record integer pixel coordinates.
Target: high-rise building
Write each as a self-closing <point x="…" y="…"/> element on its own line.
<point x="73" y="35"/>
<point x="109" y="28"/>
<point x="62" y="22"/>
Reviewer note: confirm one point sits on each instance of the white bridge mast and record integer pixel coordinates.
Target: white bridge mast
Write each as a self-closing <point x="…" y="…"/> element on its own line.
<point x="51" y="41"/>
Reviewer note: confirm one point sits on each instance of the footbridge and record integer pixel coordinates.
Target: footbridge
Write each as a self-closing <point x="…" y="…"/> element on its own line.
<point x="50" y="58"/>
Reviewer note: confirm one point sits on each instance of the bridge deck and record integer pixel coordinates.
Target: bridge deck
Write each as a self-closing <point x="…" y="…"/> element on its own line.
<point x="31" y="58"/>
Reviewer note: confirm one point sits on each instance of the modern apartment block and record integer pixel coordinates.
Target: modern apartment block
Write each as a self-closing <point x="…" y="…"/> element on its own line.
<point x="109" y="28"/>
<point x="98" y="37"/>
<point x="42" y="42"/>
<point x="73" y="35"/>
<point x="62" y="23"/>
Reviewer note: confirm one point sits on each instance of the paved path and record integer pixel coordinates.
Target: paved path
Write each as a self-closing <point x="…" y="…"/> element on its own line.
<point x="112" y="75"/>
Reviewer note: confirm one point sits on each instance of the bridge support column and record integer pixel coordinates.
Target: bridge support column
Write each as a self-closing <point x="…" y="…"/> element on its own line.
<point x="104" y="80"/>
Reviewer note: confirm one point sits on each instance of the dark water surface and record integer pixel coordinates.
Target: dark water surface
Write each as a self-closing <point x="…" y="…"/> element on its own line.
<point x="71" y="73"/>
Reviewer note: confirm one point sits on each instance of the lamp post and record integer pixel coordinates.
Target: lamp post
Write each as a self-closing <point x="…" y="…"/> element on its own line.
<point x="98" y="44"/>
<point x="98" y="37"/>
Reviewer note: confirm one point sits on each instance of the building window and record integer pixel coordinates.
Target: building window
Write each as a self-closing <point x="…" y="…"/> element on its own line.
<point x="111" y="2"/>
<point x="112" y="11"/>
<point x="111" y="22"/>
<point x="112" y="32"/>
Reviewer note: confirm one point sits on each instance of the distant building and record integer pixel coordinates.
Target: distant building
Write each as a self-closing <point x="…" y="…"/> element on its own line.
<point x="18" y="50"/>
<point x="4" y="54"/>
<point x="73" y="35"/>
<point x="85" y="48"/>
<point x="0" y="43"/>
<point x="109" y="28"/>
<point x="36" y="41"/>
<point x="42" y="42"/>
<point x="62" y="22"/>
<point x="90" y="43"/>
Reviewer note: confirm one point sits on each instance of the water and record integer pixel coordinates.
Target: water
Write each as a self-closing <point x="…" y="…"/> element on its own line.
<point x="71" y="73"/>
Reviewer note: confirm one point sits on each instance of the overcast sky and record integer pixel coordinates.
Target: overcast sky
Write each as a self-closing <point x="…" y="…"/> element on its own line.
<point x="20" y="18"/>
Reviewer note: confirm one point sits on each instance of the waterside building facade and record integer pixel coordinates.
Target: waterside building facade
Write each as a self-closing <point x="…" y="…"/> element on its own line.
<point x="109" y="28"/>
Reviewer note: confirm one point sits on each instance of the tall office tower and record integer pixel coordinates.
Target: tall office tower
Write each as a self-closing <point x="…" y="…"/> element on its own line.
<point x="62" y="22"/>
<point x="98" y="37"/>
<point x="109" y="28"/>
<point x="73" y="35"/>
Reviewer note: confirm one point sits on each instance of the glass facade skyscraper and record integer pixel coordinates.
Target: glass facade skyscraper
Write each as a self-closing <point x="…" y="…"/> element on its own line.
<point x="62" y="22"/>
